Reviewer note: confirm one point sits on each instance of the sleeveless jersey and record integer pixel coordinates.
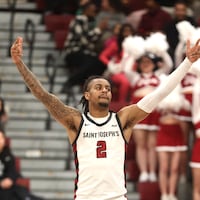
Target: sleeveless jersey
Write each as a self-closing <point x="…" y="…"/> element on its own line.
<point x="99" y="151"/>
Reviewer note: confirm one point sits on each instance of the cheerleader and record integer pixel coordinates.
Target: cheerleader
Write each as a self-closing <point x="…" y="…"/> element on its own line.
<point x="195" y="163"/>
<point x="144" y="80"/>
<point x="145" y="131"/>
<point x="170" y="143"/>
<point x="195" y="158"/>
<point x="186" y="30"/>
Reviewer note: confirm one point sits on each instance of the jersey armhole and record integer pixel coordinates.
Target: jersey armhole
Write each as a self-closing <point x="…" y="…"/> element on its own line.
<point x="79" y="130"/>
<point x="120" y="126"/>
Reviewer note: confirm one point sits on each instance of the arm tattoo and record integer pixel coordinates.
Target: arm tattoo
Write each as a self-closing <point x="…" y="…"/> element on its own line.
<point x="31" y="81"/>
<point x="57" y="109"/>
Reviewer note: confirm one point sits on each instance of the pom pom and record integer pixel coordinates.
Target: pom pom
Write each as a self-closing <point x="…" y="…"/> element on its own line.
<point x="156" y="43"/>
<point x="114" y="68"/>
<point x="186" y="30"/>
<point x="134" y="46"/>
<point x="195" y="36"/>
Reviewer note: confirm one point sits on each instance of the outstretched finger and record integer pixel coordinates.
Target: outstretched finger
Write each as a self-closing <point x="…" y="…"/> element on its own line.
<point x="197" y="42"/>
<point x="188" y="44"/>
<point x="18" y="41"/>
<point x="17" y="47"/>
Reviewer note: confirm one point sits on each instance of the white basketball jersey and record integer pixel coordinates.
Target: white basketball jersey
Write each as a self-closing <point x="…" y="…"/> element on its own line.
<point x="100" y="160"/>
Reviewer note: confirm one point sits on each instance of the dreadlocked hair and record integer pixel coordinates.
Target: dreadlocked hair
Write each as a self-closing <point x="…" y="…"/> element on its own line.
<point x="2" y="111"/>
<point x="83" y="100"/>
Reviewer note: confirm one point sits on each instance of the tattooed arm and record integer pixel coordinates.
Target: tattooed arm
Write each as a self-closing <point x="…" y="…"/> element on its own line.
<point x="67" y="116"/>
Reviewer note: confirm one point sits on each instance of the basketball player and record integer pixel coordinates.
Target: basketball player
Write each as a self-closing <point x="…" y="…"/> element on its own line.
<point x="98" y="136"/>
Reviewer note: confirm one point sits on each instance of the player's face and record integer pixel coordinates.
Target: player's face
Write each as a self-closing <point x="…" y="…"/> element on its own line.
<point x="99" y="92"/>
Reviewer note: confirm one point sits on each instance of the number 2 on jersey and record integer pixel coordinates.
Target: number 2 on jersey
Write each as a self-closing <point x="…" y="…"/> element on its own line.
<point x="101" y="149"/>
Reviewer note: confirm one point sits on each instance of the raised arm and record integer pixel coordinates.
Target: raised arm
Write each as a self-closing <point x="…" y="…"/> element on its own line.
<point x="62" y="113"/>
<point x="134" y="113"/>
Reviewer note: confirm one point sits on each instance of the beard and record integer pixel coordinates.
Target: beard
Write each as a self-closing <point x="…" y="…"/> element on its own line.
<point x="104" y="105"/>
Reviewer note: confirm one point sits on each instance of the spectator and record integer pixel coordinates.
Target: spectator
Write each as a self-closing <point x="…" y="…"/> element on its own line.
<point x="9" y="190"/>
<point x="180" y="14"/>
<point x="111" y="10"/>
<point x="81" y="4"/>
<point x="111" y="57"/>
<point x="63" y="6"/>
<point x="8" y="174"/>
<point x="167" y="3"/>
<point x="3" y="115"/>
<point x="155" y="19"/>
<point x="135" y="9"/>
<point x="130" y="6"/>
<point x="134" y="17"/>
<point x="196" y="10"/>
<point x="81" y="43"/>
<point x="113" y="37"/>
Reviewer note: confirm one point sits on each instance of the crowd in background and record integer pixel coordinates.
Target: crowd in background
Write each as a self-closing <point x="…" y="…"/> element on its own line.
<point x="136" y="45"/>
